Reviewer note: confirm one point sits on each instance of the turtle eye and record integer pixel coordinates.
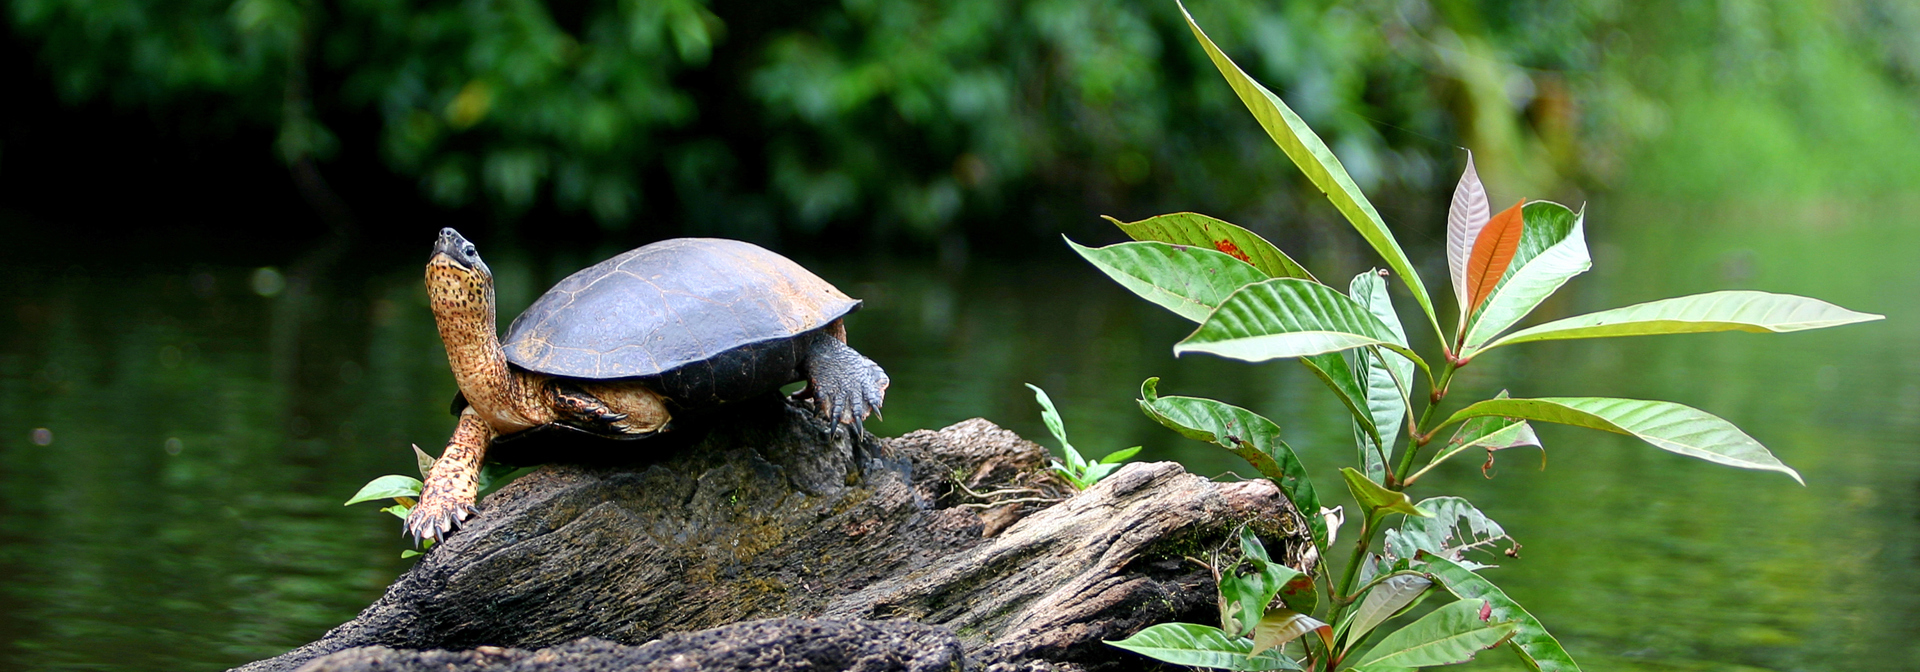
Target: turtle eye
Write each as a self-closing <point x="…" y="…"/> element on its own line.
<point x="470" y="252"/>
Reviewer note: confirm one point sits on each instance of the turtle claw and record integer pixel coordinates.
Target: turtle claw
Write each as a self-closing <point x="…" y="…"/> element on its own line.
<point x="433" y="521"/>
<point x="845" y="386"/>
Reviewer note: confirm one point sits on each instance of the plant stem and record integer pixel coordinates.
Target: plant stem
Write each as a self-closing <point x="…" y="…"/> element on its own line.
<point x="1353" y="566"/>
<point x="1419" y="438"/>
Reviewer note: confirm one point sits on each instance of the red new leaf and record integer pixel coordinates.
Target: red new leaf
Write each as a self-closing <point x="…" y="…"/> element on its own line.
<point x="1492" y="253"/>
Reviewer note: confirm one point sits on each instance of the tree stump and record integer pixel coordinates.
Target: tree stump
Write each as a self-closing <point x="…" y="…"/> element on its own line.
<point x="928" y="551"/>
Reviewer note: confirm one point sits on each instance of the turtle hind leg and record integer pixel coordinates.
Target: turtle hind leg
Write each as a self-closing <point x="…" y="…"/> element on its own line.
<point x="844" y="384"/>
<point x="573" y="403"/>
<point x="625" y="408"/>
<point x="447" y="500"/>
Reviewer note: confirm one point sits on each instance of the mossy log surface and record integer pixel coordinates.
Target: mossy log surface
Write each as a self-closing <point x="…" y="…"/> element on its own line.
<point x="765" y="528"/>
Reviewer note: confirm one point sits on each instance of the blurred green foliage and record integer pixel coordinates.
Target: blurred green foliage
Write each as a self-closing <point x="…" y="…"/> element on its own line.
<point x="911" y="117"/>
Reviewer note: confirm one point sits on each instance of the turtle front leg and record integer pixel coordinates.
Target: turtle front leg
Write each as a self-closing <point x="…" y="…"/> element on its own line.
<point x="447" y="500"/>
<point x="844" y="384"/>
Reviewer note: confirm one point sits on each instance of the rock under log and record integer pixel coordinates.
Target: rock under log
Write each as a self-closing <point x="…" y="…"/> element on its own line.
<point x="852" y="542"/>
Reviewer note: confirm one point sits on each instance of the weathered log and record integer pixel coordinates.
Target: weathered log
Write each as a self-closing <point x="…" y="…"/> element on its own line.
<point x="769" y="515"/>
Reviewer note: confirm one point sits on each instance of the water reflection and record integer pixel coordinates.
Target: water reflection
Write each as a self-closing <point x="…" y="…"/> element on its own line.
<point x="174" y="442"/>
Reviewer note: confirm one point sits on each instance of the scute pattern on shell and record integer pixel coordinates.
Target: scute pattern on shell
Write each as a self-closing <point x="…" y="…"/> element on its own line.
<point x="669" y="304"/>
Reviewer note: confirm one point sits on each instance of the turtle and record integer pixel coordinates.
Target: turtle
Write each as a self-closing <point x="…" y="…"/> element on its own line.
<point x="618" y="348"/>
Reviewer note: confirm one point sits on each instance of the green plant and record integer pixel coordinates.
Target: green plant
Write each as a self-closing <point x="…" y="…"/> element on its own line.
<point x="1254" y="303"/>
<point x="1079" y="471"/>
<point x="405" y="490"/>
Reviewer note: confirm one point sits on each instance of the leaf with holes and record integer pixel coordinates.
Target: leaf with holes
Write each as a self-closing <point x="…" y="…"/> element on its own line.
<point x="1455" y="528"/>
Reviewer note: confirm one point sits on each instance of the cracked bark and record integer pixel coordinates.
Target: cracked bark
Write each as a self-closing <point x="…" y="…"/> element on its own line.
<point x="767" y="516"/>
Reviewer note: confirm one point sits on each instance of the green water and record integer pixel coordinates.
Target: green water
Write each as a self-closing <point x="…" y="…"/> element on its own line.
<point x="185" y="510"/>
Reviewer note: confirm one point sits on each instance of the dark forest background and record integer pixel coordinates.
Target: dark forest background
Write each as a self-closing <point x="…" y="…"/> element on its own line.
<point x="898" y="126"/>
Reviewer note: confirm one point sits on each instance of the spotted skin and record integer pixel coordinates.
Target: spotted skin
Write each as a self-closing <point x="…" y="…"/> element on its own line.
<point x="447" y="500"/>
<point x="682" y="323"/>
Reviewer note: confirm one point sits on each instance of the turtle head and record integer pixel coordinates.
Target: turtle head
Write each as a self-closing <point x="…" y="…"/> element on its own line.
<point x="459" y="284"/>
<point x="458" y="252"/>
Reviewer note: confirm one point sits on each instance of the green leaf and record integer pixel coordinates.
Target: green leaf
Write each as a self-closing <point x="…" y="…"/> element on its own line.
<point x="1122" y="455"/>
<point x="1734" y="310"/>
<point x="1448" y="635"/>
<point x="1667" y="425"/>
<point x="1095" y="472"/>
<point x="1285" y="317"/>
<point x="424" y="461"/>
<point x="1333" y="369"/>
<point x="1285" y="625"/>
<point x="1190" y="281"/>
<point x="1301" y="594"/>
<point x="1493" y="432"/>
<point x="1252" y="437"/>
<point x="1391" y="596"/>
<point x="1076" y="466"/>
<point x="410" y="553"/>
<point x="1249" y="584"/>
<point x="1186" y="228"/>
<point x="398" y="510"/>
<point x="1490" y="432"/>
<point x="492" y="472"/>
<point x="1552" y="250"/>
<point x="1444" y="534"/>
<point x="1385" y="378"/>
<point x="1201" y="646"/>
<point x="387" y="487"/>
<point x="1048" y="414"/>
<point x="1318" y="162"/>
<point x="1377" y="500"/>
<point x="1541" y="651"/>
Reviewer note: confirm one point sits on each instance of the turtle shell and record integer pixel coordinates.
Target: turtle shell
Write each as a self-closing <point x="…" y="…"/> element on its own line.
<point x="664" y="306"/>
